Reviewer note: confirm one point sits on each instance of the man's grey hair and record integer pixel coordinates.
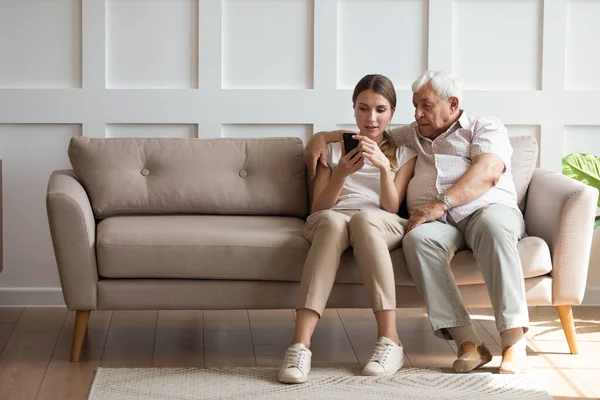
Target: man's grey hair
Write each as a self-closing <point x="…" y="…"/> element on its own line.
<point x="444" y="84"/>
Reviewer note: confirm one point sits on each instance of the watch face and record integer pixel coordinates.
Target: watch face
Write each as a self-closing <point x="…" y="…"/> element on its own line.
<point x="444" y="199"/>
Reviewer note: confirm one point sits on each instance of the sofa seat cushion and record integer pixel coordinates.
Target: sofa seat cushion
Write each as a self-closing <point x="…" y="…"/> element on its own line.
<point x="249" y="248"/>
<point x="201" y="246"/>
<point x="534" y="253"/>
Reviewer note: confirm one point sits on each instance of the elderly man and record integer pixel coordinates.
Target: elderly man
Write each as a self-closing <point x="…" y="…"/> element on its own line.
<point x="461" y="196"/>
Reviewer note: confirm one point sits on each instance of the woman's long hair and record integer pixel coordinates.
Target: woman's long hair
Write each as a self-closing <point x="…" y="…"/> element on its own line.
<point x="381" y="85"/>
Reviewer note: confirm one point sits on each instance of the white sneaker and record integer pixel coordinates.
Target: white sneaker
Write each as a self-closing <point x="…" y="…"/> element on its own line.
<point x="387" y="358"/>
<point x="296" y="365"/>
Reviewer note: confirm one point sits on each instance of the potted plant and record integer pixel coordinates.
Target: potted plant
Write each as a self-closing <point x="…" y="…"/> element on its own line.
<point x="584" y="168"/>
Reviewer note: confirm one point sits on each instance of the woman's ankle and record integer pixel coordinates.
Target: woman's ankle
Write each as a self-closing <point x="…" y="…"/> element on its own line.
<point x="386" y="325"/>
<point x="306" y="321"/>
<point x="393" y="336"/>
<point x="304" y="341"/>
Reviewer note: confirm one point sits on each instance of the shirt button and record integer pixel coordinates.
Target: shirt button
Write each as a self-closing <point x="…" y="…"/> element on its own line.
<point x="243" y="173"/>
<point x="145" y="172"/>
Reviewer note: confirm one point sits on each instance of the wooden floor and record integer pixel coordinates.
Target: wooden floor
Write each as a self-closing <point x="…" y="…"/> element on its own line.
<point x="35" y="345"/>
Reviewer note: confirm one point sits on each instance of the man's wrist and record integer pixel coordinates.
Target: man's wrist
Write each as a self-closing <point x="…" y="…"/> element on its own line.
<point x="444" y="200"/>
<point x="438" y="205"/>
<point x="328" y="136"/>
<point x="334" y="136"/>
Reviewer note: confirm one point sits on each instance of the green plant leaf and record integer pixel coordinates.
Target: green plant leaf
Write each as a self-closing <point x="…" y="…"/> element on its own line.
<point x="597" y="222"/>
<point x="584" y="168"/>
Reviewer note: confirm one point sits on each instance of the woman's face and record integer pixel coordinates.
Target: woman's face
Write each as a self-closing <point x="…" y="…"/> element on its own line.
<point x="372" y="113"/>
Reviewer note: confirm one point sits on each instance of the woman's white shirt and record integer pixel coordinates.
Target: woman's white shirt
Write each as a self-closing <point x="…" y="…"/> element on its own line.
<point x="362" y="189"/>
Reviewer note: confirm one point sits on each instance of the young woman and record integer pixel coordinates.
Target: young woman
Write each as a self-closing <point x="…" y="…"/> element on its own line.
<point x="355" y="202"/>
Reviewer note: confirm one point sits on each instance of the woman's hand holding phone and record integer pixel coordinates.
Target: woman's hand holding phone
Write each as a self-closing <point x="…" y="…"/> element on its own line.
<point x="350" y="142"/>
<point x="350" y="162"/>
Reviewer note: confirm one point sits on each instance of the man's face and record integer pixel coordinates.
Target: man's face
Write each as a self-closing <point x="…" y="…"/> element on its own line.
<point x="433" y="115"/>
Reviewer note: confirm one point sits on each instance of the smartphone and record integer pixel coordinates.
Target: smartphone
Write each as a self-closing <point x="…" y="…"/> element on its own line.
<point x="349" y="142"/>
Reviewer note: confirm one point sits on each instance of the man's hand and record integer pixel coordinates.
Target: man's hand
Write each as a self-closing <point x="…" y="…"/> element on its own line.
<point x="428" y="212"/>
<point x="315" y="151"/>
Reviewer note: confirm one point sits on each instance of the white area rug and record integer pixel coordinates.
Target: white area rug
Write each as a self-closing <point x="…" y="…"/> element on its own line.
<point x="324" y="383"/>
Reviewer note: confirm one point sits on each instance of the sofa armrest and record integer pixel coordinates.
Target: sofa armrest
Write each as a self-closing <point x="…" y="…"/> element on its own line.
<point x="73" y="231"/>
<point x="561" y="211"/>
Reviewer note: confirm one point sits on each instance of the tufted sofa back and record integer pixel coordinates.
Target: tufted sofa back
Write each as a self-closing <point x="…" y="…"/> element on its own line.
<point x="197" y="176"/>
<point x="215" y="176"/>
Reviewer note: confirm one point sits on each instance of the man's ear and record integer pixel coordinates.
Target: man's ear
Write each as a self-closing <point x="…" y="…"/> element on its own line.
<point x="453" y="104"/>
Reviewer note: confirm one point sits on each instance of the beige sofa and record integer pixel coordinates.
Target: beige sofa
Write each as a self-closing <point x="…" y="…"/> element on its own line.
<point x="217" y="224"/>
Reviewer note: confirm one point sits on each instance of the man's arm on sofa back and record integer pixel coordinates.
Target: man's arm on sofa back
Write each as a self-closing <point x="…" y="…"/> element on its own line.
<point x="73" y="231"/>
<point x="561" y="211"/>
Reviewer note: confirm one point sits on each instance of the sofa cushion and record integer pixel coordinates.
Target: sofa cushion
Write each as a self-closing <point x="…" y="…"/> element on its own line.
<point x="523" y="163"/>
<point x="267" y="248"/>
<point x="203" y="176"/>
<point x="201" y="246"/>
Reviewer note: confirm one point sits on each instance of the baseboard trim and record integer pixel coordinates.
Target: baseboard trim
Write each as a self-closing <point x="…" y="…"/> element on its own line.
<point x="31" y="297"/>
<point x="592" y="296"/>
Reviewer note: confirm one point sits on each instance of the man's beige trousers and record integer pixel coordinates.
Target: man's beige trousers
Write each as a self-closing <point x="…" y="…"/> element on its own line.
<point x="492" y="233"/>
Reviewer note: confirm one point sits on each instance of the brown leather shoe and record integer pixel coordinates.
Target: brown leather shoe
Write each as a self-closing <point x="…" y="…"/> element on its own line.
<point x="514" y="361"/>
<point x="471" y="357"/>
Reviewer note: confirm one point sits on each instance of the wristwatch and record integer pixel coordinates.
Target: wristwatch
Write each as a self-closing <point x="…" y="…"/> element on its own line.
<point x="444" y="199"/>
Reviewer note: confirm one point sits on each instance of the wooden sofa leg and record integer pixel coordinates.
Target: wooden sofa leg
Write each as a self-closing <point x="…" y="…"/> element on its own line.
<point x="81" y="322"/>
<point x="565" y="313"/>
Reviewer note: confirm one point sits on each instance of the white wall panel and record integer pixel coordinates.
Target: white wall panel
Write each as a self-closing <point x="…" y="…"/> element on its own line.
<point x="303" y="132"/>
<point x="268" y="44"/>
<point x="152" y="44"/>
<point x="267" y="68"/>
<point x="381" y="36"/>
<point x="497" y="43"/>
<point x="40" y="44"/>
<point x="151" y="130"/>
<point x="582" y="139"/>
<point x="29" y="153"/>
<point x="583" y="48"/>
